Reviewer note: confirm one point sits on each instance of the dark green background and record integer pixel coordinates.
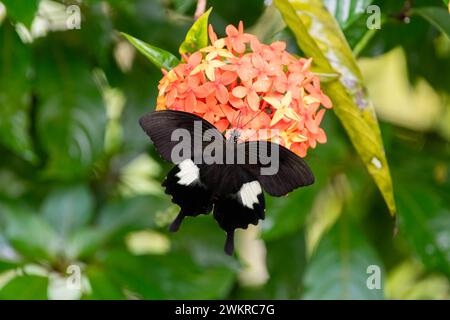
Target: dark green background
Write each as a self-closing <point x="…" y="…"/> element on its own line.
<point x="71" y="191"/>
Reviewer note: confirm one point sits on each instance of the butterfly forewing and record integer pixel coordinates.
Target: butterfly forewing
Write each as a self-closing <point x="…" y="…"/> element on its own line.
<point x="288" y="171"/>
<point x="161" y="125"/>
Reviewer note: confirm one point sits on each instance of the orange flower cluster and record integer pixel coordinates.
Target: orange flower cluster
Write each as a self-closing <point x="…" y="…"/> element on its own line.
<point x="240" y="83"/>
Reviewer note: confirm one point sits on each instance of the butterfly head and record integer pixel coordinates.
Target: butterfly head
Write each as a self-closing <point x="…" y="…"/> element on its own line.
<point x="234" y="135"/>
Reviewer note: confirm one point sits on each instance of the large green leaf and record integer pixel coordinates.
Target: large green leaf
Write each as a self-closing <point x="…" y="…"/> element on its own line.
<point x="25" y="288"/>
<point x="159" y="57"/>
<point x="319" y="37"/>
<point x="131" y="214"/>
<point x="71" y="115"/>
<point x="424" y="218"/>
<point x="347" y="12"/>
<point x="197" y="36"/>
<point x="6" y="265"/>
<point x="68" y="209"/>
<point x="171" y="276"/>
<point x="102" y="287"/>
<point x="15" y="93"/>
<point x="28" y="233"/>
<point x="437" y="16"/>
<point x="339" y="267"/>
<point x="21" y="10"/>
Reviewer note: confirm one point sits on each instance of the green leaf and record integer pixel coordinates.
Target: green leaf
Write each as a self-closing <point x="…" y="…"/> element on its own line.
<point x="6" y="265"/>
<point x="71" y="115"/>
<point x="437" y="16"/>
<point x="68" y="209"/>
<point x="347" y="12"/>
<point x="28" y="233"/>
<point x="15" y="93"/>
<point x="103" y="288"/>
<point x="339" y="267"/>
<point x="25" y="288"/>
<point x="424" y="218"/>
<point x="131" y="214"/>
<point x="21" y="10"/>
<point x="197" y="36"/>
<point x="159" y="57"/>
<point x="85" y="242"/>
<point x="319" y="37"/>
<point x="268" y="25"/>
<point x="171" y="276"/>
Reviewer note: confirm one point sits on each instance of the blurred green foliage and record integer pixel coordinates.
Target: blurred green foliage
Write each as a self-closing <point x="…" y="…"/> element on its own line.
<point x="82" y="215"/>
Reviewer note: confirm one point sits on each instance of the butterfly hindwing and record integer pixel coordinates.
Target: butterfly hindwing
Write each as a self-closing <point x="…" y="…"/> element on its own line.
<point x="239" y="207"/>
<point x="188" y="192"/>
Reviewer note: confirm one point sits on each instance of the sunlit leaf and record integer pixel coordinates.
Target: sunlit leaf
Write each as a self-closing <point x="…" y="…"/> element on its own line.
<point x="319" y="36"/>
<point x="15" y="93"/>
<point x="437" y="16"/>
<point x="339" y="267"/>
<point x="197" y="36"/>
<point x="159" y="57"/>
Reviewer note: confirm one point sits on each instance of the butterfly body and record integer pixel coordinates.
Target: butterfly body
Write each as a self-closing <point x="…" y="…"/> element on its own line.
<point x="232" y="186"/>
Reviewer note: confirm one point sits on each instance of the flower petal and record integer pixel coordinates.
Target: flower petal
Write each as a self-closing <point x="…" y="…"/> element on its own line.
<point x="190" y="103"/>
<point x="239" y="92"/>
<point x="222" y="94"/>
<point x="262" y="85"/>
<point x="277" y="116"/>
<point x="253" y="100"/>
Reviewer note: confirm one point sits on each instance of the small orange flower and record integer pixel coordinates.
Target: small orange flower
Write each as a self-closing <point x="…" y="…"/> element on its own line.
<point x="239" y="82"/>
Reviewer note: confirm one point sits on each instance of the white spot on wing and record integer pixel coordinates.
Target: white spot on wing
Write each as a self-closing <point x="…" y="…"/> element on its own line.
<point x="189" y="172"/>
<point x="249" y="193"/>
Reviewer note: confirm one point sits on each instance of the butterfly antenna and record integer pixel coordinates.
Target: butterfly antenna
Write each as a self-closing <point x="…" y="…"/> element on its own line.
<point x="253" y="118"/>
<point x="238" y="118"/>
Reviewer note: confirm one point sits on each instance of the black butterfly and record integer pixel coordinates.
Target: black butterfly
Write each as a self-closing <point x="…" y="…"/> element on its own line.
<point x="234" y="192"/>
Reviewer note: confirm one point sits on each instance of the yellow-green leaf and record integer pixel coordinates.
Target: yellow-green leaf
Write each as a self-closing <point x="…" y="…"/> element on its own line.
<point x="160" y="58"/>
<point x="319" y="36"/>
<point x="197" y="36"/>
